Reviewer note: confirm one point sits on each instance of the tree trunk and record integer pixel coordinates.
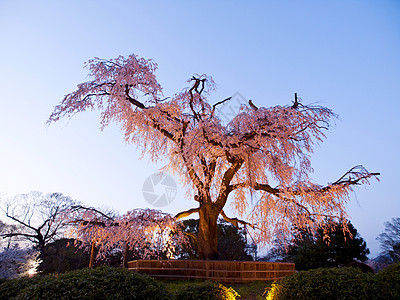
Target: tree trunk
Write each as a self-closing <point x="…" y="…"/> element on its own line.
<point x="208" y="235"/>
<point x="41" y="241"/>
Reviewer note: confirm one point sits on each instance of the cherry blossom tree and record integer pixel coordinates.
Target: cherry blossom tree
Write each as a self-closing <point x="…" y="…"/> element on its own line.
<point x="261" y="151"/>
<point x="149" y="233"/>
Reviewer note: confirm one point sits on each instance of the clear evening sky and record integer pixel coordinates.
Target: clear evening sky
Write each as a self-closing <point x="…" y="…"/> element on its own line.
<point x="341" y="54"/>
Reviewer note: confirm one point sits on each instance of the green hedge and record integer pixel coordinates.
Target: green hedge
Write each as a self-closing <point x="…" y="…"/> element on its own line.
<point x="338" y="283"/>
<point x="99" y="283"/>
<point x="389" y="282"/>
<point x="108" y="283"/>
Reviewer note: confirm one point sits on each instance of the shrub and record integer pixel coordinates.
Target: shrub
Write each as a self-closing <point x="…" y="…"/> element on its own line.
<point x="388" y="281"/>
<point x="99" y="283"/>
<point x="206" y="291"/>
<point x="9" y="288"/>
<point x="326" y="283"/>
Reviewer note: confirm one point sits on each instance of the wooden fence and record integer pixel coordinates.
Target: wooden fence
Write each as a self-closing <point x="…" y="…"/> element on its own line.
<point x="222" y="271"/>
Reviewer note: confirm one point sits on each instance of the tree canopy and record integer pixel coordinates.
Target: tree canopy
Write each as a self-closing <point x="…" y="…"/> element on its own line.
<point x="332" y="246"/>
<point x="261" y="150"/>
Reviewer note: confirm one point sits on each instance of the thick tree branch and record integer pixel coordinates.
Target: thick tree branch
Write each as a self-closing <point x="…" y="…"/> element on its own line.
<point x="235" y="221"/>
<point x="226" y="180"/>
<point x="193" y="176"/>
<point x="12" y="234"/>
<point x="236" y="186"/>
<point x="266" y="188"/>
<point x="187" y="213"/>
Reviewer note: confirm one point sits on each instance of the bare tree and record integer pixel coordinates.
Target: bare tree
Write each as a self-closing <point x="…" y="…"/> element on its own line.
<point x="37" y="217"/>
<point x="390" y="239"/>
<point x="265" y="151"/>
<point x="9" y="228"/>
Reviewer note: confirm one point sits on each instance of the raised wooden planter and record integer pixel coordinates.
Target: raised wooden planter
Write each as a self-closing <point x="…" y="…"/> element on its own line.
<point x="223" y="271"/>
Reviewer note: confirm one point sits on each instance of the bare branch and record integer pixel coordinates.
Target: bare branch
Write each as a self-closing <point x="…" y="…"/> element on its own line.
<point x="252" y="105"/>
<point x="218" y="103"/>
<point x="81" y="207"/>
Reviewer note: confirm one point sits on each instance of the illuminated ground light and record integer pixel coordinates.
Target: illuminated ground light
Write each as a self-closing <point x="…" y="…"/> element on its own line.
<point x="273" y="292"/>
<point x="33" y="265"/>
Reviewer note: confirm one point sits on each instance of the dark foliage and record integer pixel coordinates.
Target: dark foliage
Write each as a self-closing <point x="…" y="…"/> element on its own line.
<point x="389" y="281"/>
<point x="359" y="265"/>
<point x="99" y="283"/>
<point x="9" y="288"/>
<point x="61" y="256"/>
<point x="339" y="283"/>
<point x="331" y="248"/>
<point x="326" y="283"/>
<point x="65" y="255"/>
<point x="231" y="241"/>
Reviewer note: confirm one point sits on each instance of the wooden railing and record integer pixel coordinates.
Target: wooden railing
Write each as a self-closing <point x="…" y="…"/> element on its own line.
<point x="223" y="271"/>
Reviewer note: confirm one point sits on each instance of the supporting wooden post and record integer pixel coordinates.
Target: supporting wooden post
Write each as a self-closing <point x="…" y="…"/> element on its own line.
<point x="91" y="262"/>
<point x="124" y="263"/>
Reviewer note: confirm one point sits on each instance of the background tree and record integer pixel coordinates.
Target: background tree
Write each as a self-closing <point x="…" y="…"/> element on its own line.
<point x="264" y="150"/>
<point x="390" y="239"/>
<point x="331" y="246"/>
<point x="231" y="241"/>
<point x="37" y="217"/>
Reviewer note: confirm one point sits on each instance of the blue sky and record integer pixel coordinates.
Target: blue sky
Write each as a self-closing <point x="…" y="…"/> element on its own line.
<point x="339" y="54"/>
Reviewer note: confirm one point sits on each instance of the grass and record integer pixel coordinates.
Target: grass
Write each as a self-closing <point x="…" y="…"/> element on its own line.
<point x="247" y="291"/>
<point x="252" y="290"/>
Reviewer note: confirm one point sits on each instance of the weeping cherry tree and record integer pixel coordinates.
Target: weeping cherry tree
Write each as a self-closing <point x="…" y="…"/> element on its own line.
<point x="261" y="151"/>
